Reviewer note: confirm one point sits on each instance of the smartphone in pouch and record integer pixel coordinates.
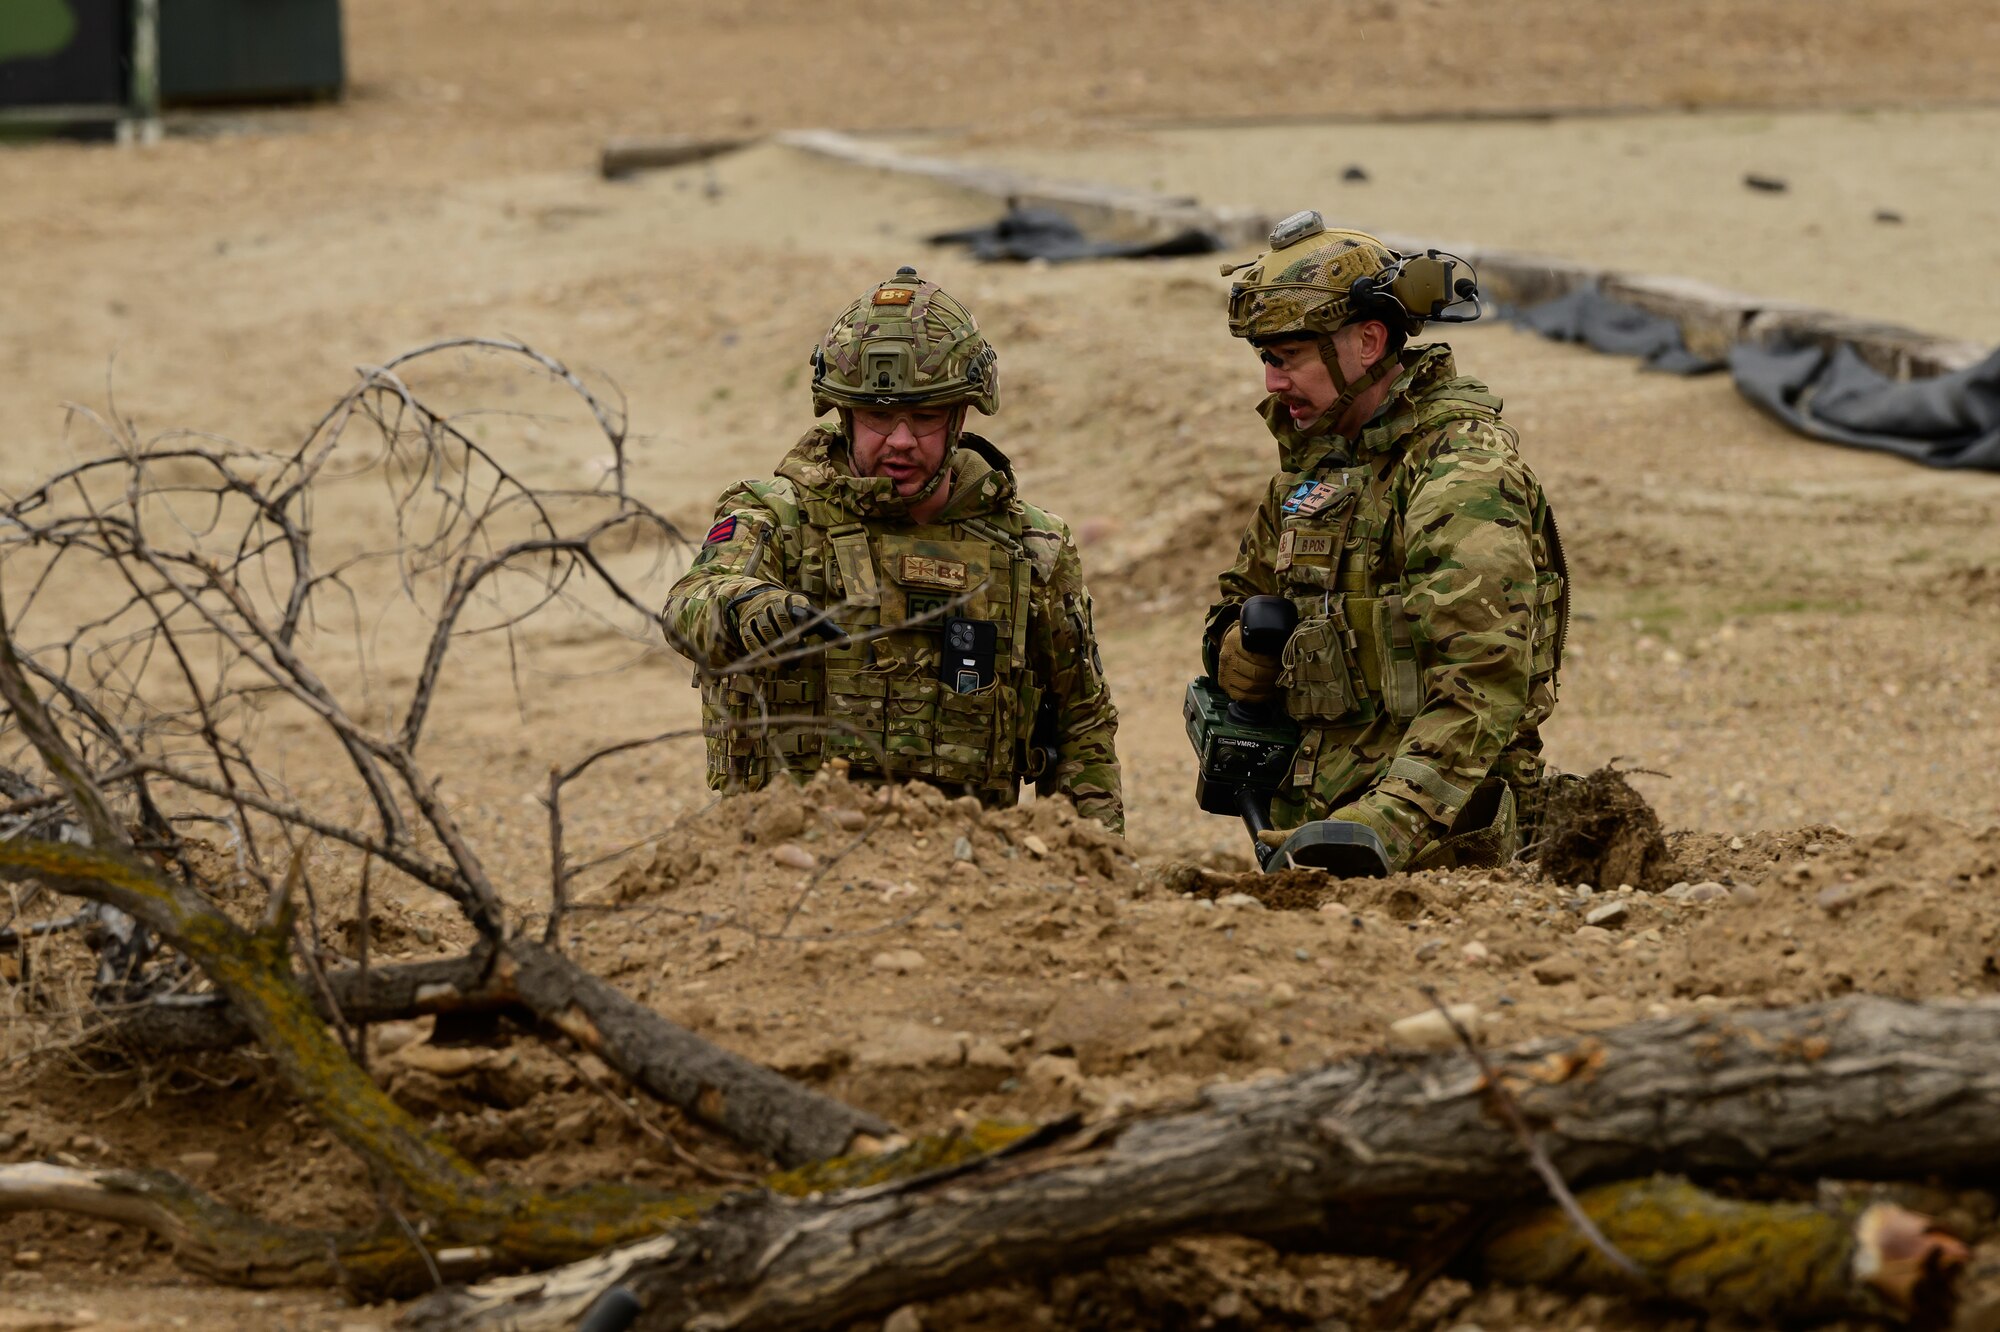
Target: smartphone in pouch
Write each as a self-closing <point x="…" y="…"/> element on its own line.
<point x="967" y="666"/>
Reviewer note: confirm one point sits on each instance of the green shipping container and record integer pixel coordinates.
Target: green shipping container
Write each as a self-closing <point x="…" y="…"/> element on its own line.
<point x="249" y="50"/>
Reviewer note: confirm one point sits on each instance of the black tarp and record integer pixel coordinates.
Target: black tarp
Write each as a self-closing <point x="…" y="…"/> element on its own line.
<point x="1588" y="316"/>
<point x="1043" y="233"/>
<point x="1944" y="421"/>
<point x="1827" y="393"/>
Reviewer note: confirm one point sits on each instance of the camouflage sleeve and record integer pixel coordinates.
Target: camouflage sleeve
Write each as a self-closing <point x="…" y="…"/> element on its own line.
<point x="744" y="551"/>
<point x="1252" y="575"/>
<point x="1470" y="578"/>
<point x="1073" y="671"/>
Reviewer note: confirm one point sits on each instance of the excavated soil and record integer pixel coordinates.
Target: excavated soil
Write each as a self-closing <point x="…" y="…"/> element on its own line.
<point x="1789" y="650"/>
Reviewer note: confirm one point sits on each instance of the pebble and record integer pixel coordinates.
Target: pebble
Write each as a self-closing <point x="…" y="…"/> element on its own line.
<point x="794" y="856"/>
<point x="1476" y="953"/>
<point x="1036" y="846"/>
<point x="962" y="848"/>
<point x="1707" y="891"/>
<point x="901" y="961"/>
<point x="1610" y="915"/>
<point x="849" y="820"/>
<point x="1736" y="844"/>
<point x="199" y="1160"/>
<point x="1301" y="955"/>
<point x="1554" y="970"/>
<point x="1678" y="892"/>
<point x="1428" y="1030"/>
<point x="393" y="1037"/>
<point x="778" y="820"/>
<point x="1284" y="993"/>
<point x="1843" y="895"/>
<point x="442" y="1061"/>
<point x="905" y="1319"/>
<point x="9" y="1141"/>
<point x="1243" y="900"/>
<point x="27" y="1257"/>
<point x="1429" y="950"/>
<point x="1594" y="934"/>
<point x="1743" y="894"/>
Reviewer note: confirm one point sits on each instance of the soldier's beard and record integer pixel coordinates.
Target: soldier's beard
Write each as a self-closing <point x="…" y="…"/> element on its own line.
<point x="897" y="501"/>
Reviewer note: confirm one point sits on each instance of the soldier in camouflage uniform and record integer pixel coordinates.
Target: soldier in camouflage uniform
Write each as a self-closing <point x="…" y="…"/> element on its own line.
<point x="1417" y="547"/>
<point x="888" y="598"/>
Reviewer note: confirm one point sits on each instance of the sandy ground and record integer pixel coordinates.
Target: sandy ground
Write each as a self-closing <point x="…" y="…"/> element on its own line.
<point x="1867" y="193"/>
<point x="1802" y="639"/>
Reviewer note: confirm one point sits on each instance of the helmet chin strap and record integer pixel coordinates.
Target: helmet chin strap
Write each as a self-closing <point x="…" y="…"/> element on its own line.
<point x="896" y="504"/>
<point x="1349" y="391"/>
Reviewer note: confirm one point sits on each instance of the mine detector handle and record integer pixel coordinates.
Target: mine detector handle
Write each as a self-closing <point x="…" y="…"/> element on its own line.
<point x="1244" y="755"/>
<point x="1266" y="623"/>
<point x="1244" y="750"/>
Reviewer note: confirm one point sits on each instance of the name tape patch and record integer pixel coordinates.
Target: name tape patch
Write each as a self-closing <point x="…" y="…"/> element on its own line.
<point x="1305" y="544"/>
<point x="925" y="571"/>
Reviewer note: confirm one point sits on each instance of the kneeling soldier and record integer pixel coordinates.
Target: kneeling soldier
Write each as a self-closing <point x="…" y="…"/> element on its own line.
<point x="1416" y="546"/>
<point x="887" y="598"/>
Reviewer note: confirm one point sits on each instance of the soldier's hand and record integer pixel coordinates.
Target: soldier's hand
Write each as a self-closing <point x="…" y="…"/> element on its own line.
<point x="1246" y="676"/>
<point x="771" y="617"/>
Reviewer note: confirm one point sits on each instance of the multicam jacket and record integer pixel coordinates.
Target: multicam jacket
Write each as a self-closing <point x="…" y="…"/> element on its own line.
<point x="1430" y="585"/>
<point x="880" y="700"/>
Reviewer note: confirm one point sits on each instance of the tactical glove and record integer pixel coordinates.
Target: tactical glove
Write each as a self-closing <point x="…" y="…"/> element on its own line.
<point x="1246" y="676"/>
<point x="771" y="617"/>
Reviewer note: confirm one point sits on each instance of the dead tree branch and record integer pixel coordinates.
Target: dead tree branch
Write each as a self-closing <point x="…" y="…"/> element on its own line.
<point x="1860" y="1088"/>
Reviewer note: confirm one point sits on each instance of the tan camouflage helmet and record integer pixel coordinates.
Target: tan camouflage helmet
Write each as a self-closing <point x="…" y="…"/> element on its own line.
<point x="1303" y="286"/>
<point x="905" y="344"/>
<point x="1313" y="281"/>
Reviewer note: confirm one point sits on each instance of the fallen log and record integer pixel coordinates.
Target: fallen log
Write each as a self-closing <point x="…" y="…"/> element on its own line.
<point x="1770" y="1262"/>
<point x="1861" y="1088"/>
<point x="765" y="1111"/>
<point x="190" y="1024"/>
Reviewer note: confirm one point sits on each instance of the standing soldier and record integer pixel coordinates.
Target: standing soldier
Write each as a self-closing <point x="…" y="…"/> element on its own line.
<point x="1416" y="547"/>
<point x="888" y="599"/>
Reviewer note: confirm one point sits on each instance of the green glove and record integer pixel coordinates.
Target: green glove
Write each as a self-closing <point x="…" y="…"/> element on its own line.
<point x="769" y="618"/>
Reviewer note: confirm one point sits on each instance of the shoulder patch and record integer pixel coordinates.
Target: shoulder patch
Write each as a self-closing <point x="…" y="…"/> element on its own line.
<point x="1309" y="497"/>
<point x="722" y="531"/>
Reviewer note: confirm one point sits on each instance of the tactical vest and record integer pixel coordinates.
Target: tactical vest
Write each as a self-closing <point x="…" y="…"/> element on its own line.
<point x="1352" y="658"/>
<point x="883" y="700"/>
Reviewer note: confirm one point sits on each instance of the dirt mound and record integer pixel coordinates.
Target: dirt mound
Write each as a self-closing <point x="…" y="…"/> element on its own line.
<point x="1600" y="831"/>
<point x="928" y="959"/>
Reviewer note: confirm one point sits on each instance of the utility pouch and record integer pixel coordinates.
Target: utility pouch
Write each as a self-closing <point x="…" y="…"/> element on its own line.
<point x="1548" y="622"/>
<point x="1315" y="676"/>
<point x="1402" y="684"/>
<point x="856" y="565"/>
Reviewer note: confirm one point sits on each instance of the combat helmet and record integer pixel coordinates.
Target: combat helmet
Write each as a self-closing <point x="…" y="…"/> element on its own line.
<point x="1314" y="281"/>
<point x="905" y="344"/>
